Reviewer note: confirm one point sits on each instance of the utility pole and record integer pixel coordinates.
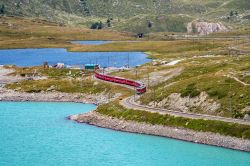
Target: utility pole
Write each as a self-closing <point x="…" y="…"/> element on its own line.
<point x="128" y="60"/>
<point x="135" y="92"/>
<point x="154" y="98"/>
<point x="148" y="80"/>
<point x="82" y="78"/>
<point x="136" y="79"/>
<point x="231" y="96"/>
<point x="108" y="61"/>
<point x="136" y="72"/>
<point x="230" y="102"/>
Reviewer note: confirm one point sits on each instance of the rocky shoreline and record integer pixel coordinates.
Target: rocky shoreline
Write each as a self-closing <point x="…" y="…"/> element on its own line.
<point x="97" y="99"/>
<point x="99" y="120"/>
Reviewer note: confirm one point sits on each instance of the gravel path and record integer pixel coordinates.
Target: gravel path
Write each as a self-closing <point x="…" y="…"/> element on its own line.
<point x="238" y="80"/>
<point x="130" y="104"/>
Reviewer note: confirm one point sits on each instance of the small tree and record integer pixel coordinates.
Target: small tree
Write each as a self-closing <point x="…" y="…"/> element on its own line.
<point x="100" y="25"/>
<point x="236" y="13"/>
<point x="2" y="9"/>
<point x="140" y="35"/>
<point x="97" y="25"/>
<point x="231" y="13"/>
<point x="109" y="22"/>
<point x="94" y="25"/>
<point x="150" y="24"/>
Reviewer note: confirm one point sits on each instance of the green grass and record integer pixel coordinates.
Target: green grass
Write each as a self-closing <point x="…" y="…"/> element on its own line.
<point x="190" y="91"/>
<point x="207" y="75"/>
<point x="223" y="128"/>
<point x="62" y="80"/>
<point x="51" y="72"/>
<point x="161" y="23"/>
<point x="60" y="85"/>
<point x="34" y="33"/>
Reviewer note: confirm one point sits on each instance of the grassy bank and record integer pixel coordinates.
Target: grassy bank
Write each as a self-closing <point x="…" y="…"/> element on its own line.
<point x="51" y="72"/>
<point x="62" y="80"/>
<point x="60" y="85"/>
<point x="209" y="75"/>
<point x="223" y="128"/>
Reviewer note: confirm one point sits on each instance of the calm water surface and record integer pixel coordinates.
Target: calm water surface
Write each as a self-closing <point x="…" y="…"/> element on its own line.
<point x="38" y="134"/>
<point x="36" y="57"/>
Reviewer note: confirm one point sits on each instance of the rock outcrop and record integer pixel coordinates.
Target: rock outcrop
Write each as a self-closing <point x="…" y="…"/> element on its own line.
<point x="204" y="28"/>
<point x="185" y="104"/>
<point x="246" y="112"/>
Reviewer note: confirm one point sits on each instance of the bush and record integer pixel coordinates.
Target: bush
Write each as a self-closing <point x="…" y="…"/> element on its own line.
<point x="217" y="93"/>
<point x="190" y="91"/>
<point x="2" y="9"/>
<point x="97" y="25"/>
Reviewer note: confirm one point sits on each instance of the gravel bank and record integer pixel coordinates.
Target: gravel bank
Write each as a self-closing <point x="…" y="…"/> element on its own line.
<point x="5" y="78"/>
<point x="11" y="95"/>
<point x="96" y="119"/>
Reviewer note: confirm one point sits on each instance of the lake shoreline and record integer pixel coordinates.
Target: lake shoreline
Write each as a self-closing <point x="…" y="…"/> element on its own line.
<point x="96" y="99"/>
<point x="96" y="119"/>
<point x="103" y="121"/>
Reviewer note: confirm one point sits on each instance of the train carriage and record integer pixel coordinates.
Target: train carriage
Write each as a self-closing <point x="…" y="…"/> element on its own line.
<point x="140" y="87"/>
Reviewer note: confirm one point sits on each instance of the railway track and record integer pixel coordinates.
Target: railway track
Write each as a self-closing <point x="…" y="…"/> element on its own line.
<point x="131" y="104"/>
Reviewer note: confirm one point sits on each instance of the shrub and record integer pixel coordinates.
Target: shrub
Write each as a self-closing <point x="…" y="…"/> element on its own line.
<point x="97" y="25"/>
<point x="190" y="91"/>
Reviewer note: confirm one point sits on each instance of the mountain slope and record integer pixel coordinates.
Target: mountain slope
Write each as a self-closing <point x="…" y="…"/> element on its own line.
<point x="131" y="15"/>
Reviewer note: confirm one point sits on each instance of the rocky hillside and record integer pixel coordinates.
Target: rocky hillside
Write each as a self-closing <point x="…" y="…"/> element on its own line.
<point x="205" y="28"/>
<point x="131" y="15"/>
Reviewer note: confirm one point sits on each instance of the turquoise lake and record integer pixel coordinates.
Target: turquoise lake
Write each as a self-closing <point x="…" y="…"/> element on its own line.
<point x="38" y="134"/>
<point x="36" y="57"/>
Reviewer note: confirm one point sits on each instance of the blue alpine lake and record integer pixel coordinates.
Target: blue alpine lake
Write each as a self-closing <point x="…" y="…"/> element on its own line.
<point x="36" y="57"/>
<point x="90" y="42"/>
<point x="38" y="134"/>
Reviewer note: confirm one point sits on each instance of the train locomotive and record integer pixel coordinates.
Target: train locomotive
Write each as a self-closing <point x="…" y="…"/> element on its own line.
<point x="139" y="86"/>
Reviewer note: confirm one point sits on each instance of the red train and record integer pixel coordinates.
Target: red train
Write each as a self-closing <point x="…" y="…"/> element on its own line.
<point x="140" y="87"/>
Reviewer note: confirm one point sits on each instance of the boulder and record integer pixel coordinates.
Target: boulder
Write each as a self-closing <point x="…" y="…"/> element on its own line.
<point x="247" y="117"/>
